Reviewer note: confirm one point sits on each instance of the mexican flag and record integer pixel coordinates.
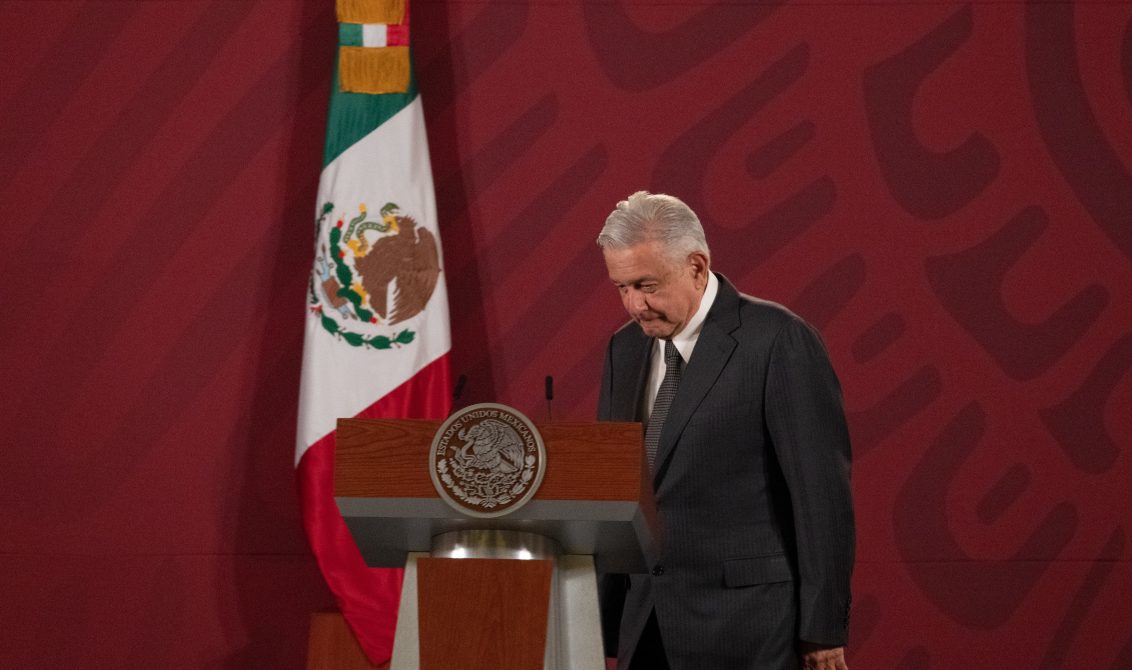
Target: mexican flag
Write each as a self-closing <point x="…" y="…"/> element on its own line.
<point x="377" y="336"/>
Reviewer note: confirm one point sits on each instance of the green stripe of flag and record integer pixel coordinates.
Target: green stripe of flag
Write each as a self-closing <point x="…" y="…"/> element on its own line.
<point x="350" y="35"/>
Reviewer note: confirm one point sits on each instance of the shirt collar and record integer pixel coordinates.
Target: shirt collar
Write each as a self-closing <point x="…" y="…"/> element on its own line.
<point x="685" y="340"/>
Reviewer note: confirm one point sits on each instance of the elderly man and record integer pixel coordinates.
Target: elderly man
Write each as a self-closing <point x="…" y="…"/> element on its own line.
<point x="749" y="452"/>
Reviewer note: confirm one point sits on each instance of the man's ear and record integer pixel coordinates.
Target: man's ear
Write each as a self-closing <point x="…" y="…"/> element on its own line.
<point x="700" y="265"/>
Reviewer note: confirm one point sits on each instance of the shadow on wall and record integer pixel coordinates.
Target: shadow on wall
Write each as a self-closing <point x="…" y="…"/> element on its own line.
<point x="274" y="585"/>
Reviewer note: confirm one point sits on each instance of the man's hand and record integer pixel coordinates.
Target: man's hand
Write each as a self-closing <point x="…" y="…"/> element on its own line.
<point x="815" y="657"/>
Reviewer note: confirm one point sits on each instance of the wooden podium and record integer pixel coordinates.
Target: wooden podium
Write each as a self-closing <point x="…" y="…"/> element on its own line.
<point x="514" y="591"/>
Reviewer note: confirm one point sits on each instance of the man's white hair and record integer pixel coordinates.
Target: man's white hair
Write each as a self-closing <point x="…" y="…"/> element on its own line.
<point x="648" y="217"/>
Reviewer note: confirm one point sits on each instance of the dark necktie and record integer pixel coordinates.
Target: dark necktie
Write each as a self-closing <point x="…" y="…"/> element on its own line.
<point x="663" y="400"/>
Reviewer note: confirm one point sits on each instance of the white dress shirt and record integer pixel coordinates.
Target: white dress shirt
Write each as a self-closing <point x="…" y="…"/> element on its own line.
<point x="685" y="341"/>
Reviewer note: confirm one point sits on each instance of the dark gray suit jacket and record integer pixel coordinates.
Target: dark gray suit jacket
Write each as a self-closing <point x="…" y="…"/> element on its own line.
<point x="752" y="494"/>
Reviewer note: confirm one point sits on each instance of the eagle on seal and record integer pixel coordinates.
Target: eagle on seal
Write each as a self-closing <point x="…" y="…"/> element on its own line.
<point x="411" y="258"/>
<point x="491" y="445"/>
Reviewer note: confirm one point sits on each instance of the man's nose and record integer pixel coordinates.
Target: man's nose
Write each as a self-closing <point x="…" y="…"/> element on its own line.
<point x="637" y="302"/>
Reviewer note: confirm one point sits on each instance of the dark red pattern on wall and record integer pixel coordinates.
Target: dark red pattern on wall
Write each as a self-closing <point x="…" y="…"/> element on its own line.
<point x="944" y="189"/>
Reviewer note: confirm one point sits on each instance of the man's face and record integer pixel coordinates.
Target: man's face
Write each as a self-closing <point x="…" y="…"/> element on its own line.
<point x="660" y="294"/>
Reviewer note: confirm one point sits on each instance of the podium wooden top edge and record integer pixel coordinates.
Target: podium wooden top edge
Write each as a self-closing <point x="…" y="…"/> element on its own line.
<point x="586" y="460"/>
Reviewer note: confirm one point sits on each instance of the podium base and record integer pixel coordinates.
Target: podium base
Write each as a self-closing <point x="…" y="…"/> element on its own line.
<point x="512" y="564"/>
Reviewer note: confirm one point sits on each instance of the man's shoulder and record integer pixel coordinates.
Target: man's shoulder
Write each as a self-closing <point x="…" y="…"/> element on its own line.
<point x="763" y="323"/>
<point x="768" y="308"/>
<point x="755" y="312"/>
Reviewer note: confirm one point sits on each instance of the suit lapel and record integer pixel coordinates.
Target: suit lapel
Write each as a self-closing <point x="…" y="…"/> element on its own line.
<point x="713" y="349"/>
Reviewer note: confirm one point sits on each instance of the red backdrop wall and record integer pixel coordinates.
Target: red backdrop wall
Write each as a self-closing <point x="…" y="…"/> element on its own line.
<point x="944" y="189"/>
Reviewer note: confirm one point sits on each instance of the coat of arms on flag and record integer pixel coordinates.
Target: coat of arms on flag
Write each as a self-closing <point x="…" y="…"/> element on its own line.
<point x="371" y="273"/>
<point x="376" y="341"/>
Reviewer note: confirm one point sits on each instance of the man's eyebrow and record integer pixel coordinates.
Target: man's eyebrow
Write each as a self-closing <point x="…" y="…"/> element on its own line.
<point x="634" y="281"/>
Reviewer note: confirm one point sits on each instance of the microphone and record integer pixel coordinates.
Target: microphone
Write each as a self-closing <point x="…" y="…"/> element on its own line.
<point x="549" y="397"/>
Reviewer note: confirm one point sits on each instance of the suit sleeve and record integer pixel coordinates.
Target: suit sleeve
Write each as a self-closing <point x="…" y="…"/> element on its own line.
<point x="605" y="393"/>
<point x="807" y="425"/>
<point x="611" y="586"/>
